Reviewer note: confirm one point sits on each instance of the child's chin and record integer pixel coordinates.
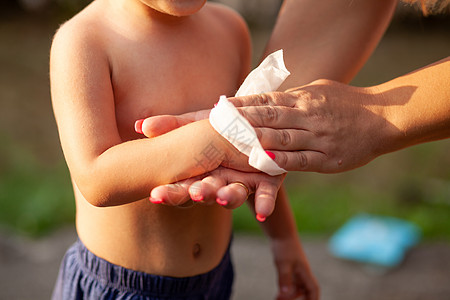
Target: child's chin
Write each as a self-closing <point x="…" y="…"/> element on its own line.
<point x="183" y="8"/>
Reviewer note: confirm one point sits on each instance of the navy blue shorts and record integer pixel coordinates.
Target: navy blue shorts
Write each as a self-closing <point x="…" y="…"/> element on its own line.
<point x="85" y="276"/>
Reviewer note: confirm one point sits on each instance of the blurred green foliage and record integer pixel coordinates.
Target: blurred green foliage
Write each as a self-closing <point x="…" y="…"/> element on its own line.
<point x="34" y="198"/>
<point x="38" y="5"/>
<point x="35" y="189"/>
<point x="320" y="209"/>
<point x="412" y="184"/>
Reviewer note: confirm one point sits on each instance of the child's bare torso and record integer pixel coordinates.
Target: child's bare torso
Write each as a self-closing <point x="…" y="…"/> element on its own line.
<point x="161" y="70"/>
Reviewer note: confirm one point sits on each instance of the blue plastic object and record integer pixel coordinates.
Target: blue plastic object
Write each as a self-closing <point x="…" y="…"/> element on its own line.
<point x="374" y="240"/>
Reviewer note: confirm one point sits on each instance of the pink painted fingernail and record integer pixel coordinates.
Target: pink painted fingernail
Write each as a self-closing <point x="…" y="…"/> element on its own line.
<point x="215" y="104"/>
<point x="221" y="201"/>
<point x="156" y="200"/>
<point x="260" y="218"/>
<point x="271" y="155"/>
<point x="197" y="198"/>
<point x="138" y="126"/>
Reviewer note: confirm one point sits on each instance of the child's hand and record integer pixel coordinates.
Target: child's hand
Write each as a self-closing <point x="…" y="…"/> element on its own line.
<point x="295" y="278"/>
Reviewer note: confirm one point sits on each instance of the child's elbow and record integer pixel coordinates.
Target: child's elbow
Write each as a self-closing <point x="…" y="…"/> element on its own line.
<point x="100" y="200"/>
<point x="96" y="195"/>
<point x="95" y="192"/>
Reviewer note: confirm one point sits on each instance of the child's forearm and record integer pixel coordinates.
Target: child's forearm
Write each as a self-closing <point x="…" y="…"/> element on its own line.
<point x="128" y="171"/>
<point x="294" y="274"/>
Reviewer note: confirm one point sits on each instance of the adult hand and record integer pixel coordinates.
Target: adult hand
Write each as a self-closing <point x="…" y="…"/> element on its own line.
<point x="325" y="126"/>
<point x="223" y="186"/>
<point x="158" y="125"/>
<point x="217" y="186"/>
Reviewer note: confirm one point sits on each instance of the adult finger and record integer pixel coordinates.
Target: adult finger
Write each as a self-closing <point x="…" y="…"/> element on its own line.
<point x="233" y="195"/>
<point x="171" y="194"/>
<point x="273" y="98"/>
<point x="265" y="198"/>
<point x="205" y="190"/>
<point x="264" y="186"/>
<point x="275" y="116"/>
<point x="307" y="161"/>
<point x="287" y="139"/>
<point x="195" y="191"/>
<point x="158" y="125"/>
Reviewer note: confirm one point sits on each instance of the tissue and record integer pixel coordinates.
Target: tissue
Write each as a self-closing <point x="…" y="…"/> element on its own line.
<point x="227" y="121"/>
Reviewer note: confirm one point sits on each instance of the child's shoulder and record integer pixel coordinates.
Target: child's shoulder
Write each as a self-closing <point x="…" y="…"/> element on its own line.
<point x="81" y="29"/>
<point x="80" y="41"/>
<point x="223" y="11"/>
<point x="226" y="15"/>
<point x="233" y="28"/>
<point x="230" y="21"/>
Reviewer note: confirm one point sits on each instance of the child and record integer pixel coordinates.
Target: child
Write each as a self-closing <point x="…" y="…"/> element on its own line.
<point x="122" y="60"/>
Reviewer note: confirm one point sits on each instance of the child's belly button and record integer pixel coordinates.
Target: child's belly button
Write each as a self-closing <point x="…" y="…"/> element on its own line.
<point x="196" y="250"/>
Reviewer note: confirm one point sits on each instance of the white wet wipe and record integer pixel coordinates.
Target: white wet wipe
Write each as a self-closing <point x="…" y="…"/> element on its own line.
<point x="227" y="120"/>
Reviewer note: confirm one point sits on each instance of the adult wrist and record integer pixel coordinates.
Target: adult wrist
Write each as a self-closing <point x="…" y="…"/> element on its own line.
<point x="389" y="129"/>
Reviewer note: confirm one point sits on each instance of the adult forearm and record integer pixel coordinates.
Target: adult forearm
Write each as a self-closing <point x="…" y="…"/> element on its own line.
<point x="417" y="105"/>
<point x="328" y="39"/>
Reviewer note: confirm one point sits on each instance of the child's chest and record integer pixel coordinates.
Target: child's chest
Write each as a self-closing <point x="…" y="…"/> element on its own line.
<point x="165" y="79"/>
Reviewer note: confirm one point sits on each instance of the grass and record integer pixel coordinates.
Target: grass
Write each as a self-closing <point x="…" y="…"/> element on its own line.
<point x="34" y="198"/>
<point x="321" y="209"/>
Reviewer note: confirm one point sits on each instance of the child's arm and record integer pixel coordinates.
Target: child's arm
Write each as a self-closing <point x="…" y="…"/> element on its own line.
<point x="294" y="274"/>
<point x="107" y="170"/>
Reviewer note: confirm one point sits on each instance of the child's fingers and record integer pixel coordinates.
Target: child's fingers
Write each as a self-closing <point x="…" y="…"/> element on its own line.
<point x="286" y="287"/>
<point x="307" y="283"/>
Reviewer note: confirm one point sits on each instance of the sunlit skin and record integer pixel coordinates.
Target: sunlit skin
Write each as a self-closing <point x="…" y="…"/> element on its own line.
<point x="174" y="8"/>
<point x="319" y="40"/>
<point x="345" y="127"/>
<point x="336" y="127"/>
<point x="119" y="61"/>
